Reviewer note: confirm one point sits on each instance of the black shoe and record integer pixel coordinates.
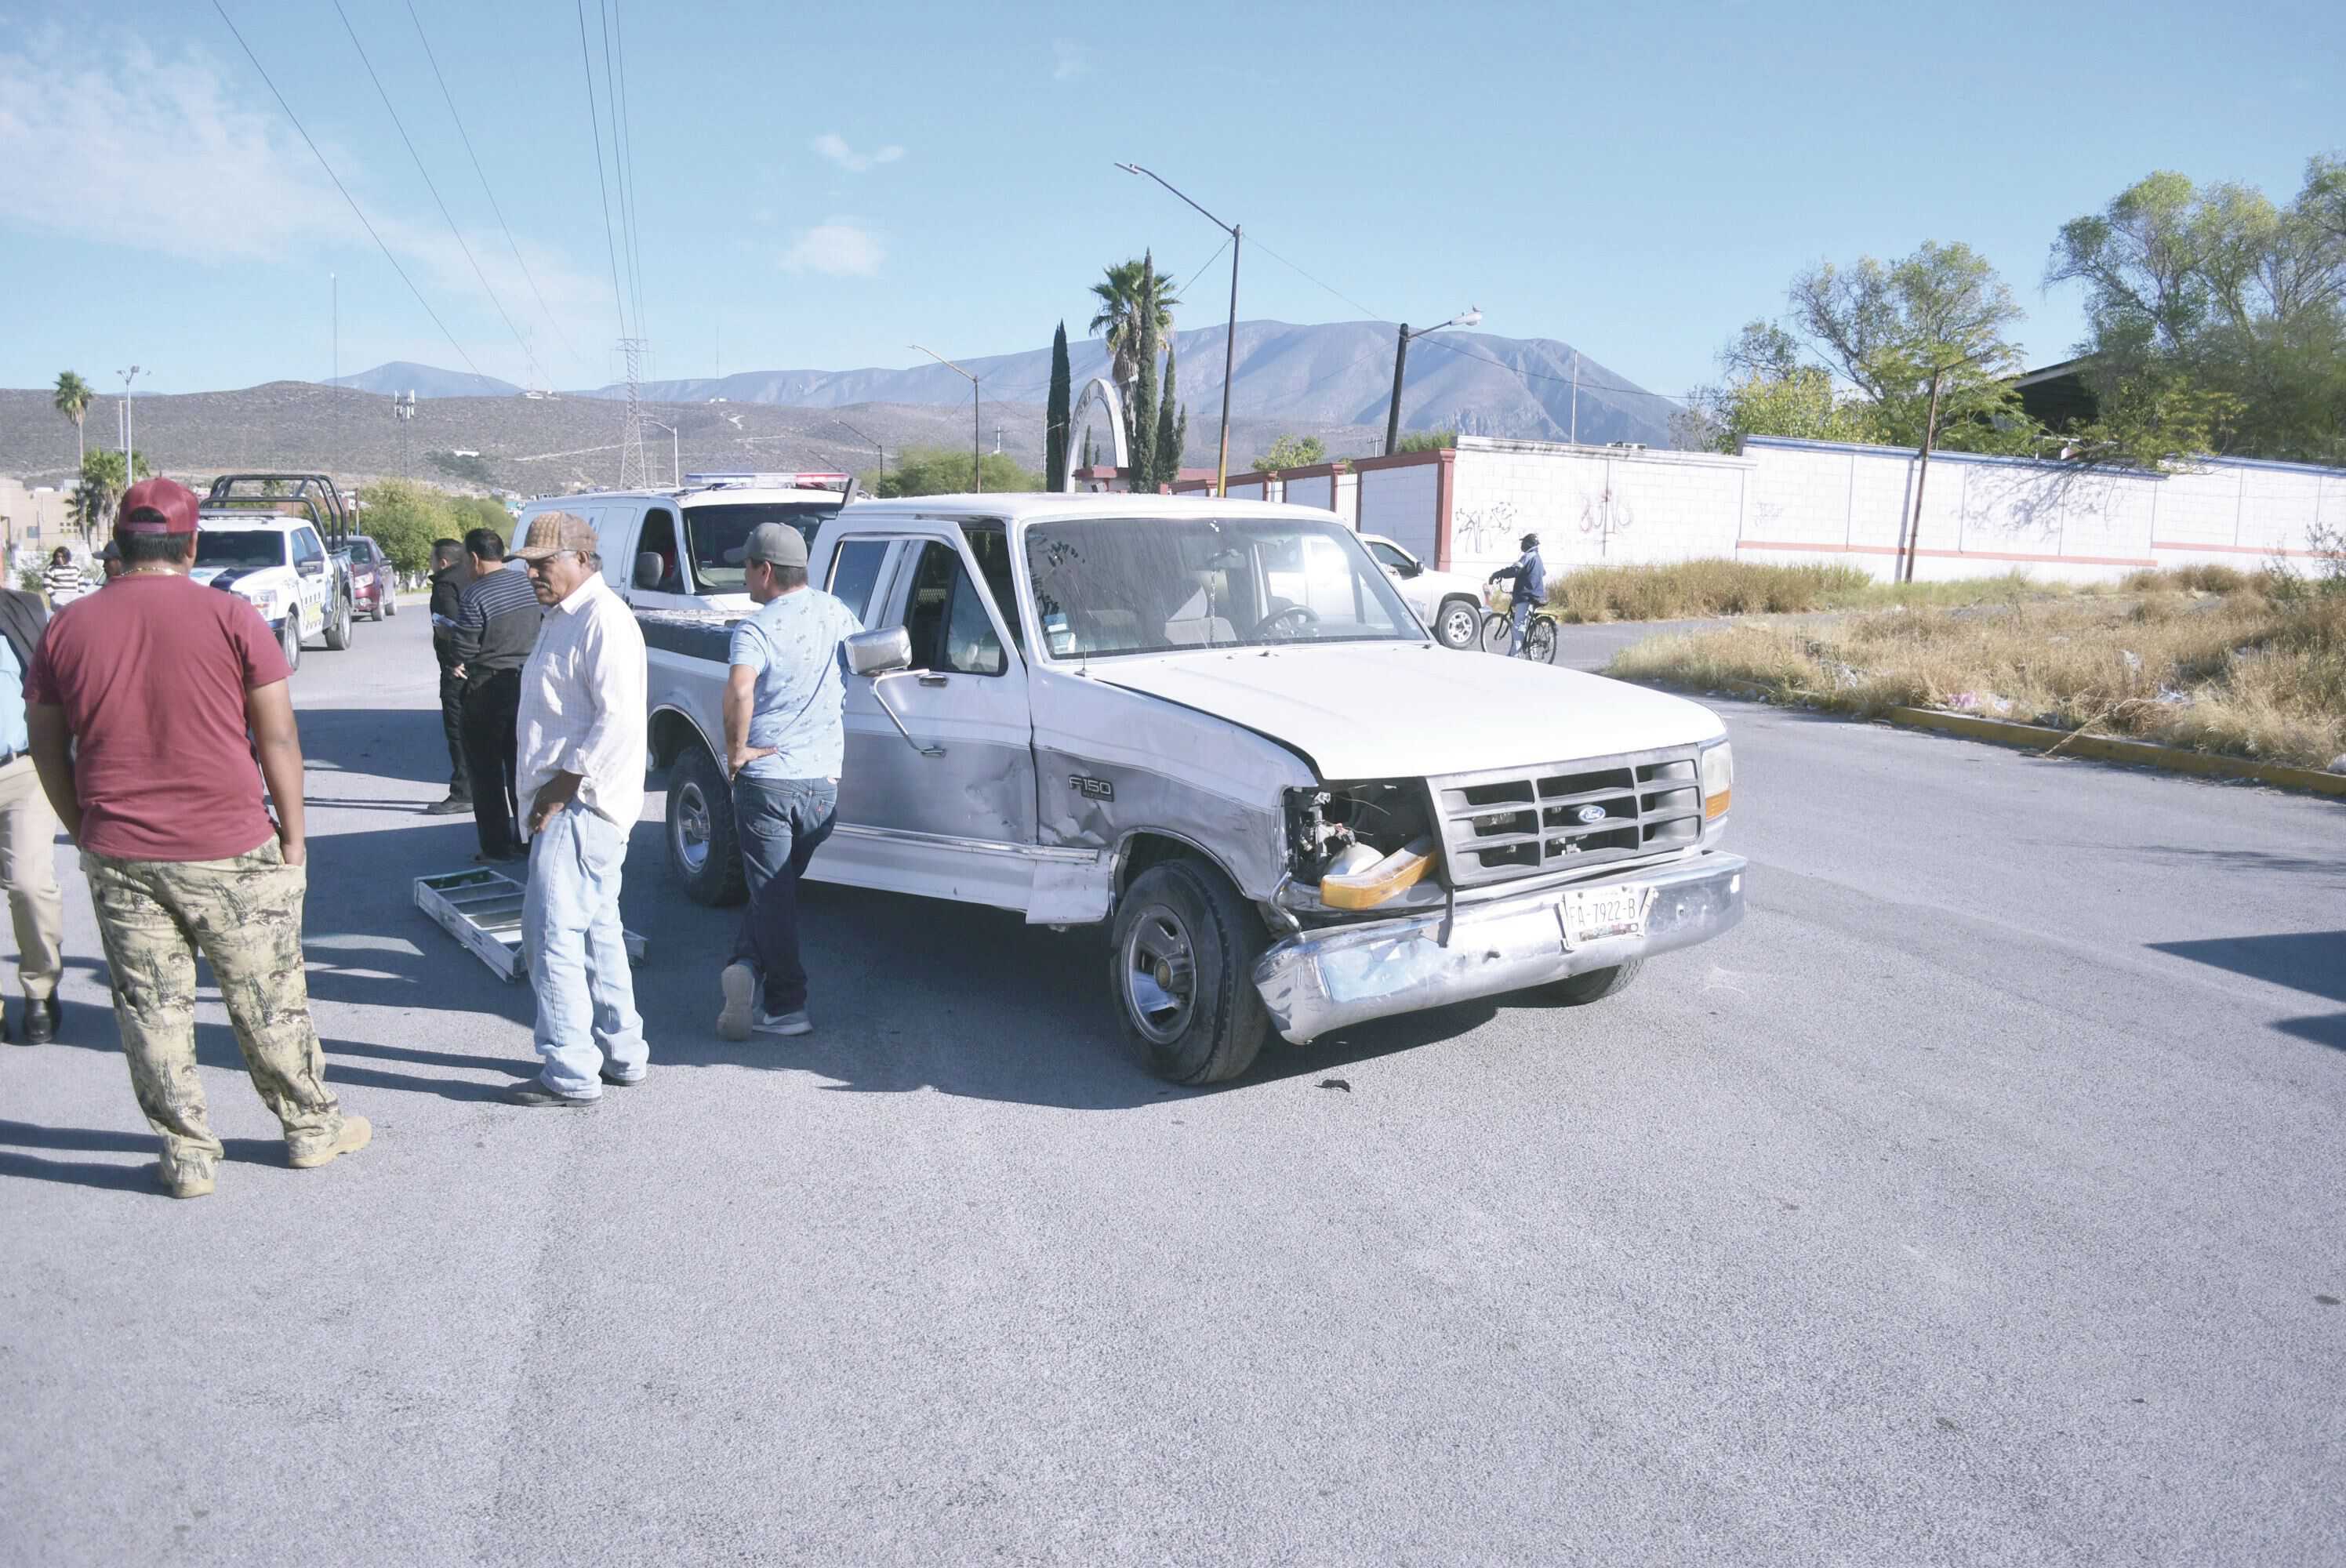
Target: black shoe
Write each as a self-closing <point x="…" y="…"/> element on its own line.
<point x="41" y="1020"/>
<point x="453" y="806"/>
<point x="535" y="1093"/>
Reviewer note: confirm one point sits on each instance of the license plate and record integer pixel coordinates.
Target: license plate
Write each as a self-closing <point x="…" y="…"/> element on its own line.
<point x="1592" y="914"/>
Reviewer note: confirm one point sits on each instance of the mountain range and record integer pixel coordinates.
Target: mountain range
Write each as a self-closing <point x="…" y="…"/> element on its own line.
<point x="1334" y="373"/>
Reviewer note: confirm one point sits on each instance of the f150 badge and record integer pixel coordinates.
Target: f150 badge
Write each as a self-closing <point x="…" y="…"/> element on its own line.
<point x="1091" y="788"/>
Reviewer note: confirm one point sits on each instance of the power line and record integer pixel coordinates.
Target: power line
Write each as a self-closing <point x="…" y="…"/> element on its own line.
<point x="346" y="193"/>
<point x="551" y="318"/>
<point x="595" y="120"/>
<point x="403" y="137"/>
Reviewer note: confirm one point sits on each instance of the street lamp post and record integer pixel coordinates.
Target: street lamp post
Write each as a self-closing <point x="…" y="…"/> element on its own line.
<point x="1470" y="317"/>
<point x="976" y="438"/>
<point x="1231" y="341"/>
<point x="880" y="451"/>
<point x="675" y="461"/>
<point x="128" y="475"/>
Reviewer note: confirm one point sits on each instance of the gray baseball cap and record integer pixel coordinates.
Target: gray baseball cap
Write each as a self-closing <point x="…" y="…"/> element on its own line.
<point x="777" y="544"/>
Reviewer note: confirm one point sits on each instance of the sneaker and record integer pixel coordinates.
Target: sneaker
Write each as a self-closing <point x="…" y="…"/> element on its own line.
<point x="740" y="984"/>
<point x="189" y="1176"/>
<point x="617" y="1081"/>
<point x="536" y="1094"/>
<point x="453" y="806"/>
<point x="784" y="1023"/>
<point x="356" y="1133"/>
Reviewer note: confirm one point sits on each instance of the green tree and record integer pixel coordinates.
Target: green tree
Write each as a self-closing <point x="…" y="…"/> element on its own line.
<point x="98" y="490"/>
<point x="72" y="399"/>
<point x="944" y="471"/>
<point x="403" y="517"/>
<point x="1055" y="413"/>
<point x="2216" y="320"/>
<point x="1426" y="440"/>
<point x="1172" y="428"/>
<point x="1120" y="317"/>
<point x="1291" y="451"/>
<point x="472" y="511"/>
<point x="1140" y="433"/>
<point x="1769" y="390"/>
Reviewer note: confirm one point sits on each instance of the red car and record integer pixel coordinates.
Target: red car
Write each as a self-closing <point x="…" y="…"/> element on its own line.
<point x="374" y="585"/>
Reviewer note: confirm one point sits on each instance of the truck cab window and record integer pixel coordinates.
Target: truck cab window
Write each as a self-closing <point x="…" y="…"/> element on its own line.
<point x="855" y="572"/>
<point x="945" y="617"/>
<point x="990" y="544"/>
<point x="659" y="538"/>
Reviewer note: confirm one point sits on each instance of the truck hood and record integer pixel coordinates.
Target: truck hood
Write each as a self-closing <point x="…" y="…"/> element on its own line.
<point x="1369" y="710"/>
<point x="246" y="580"/>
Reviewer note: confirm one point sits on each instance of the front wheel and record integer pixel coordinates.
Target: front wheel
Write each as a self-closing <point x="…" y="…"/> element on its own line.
<point x="701" y="848"/>
<point x="1181" y="973"/>
<point x="1539" y="640"/>
<point x="1596" y="984"/>
<point x="1495" y="632"/>
<point x="337" y="624"/>
<point x="1457" y="623"/>
<point x="289" y="639"/>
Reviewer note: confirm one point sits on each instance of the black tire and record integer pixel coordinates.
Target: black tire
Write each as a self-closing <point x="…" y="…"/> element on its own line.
<point x="702" y="850"/>
<point x="1540" y="639"/>
<point x="337" y="624"/>
<point x="289" y="639"/>
<point x="1180" y="971"/>
<point x="1495" y="632"/>
<point x="1596" y="984"/>
<point x="1458" y="622"/>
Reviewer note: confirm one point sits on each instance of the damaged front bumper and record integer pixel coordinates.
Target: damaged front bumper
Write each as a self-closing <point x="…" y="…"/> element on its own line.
<point x="1324" y="980"/>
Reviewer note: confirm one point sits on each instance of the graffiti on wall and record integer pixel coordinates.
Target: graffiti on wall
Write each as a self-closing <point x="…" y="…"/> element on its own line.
<point x="1605" y="514"/>
<point x="1481" y="531"/>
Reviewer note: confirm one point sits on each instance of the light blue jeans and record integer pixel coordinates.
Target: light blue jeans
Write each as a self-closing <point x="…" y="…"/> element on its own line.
<point x="577" y="955"/>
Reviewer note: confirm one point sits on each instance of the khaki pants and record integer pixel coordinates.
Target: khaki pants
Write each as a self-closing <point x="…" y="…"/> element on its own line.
<point x="28" y="870"/>
<point x="244" y="915"/>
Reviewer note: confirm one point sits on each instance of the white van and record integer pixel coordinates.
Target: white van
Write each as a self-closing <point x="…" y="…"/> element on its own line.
<point x="681" y="549"/>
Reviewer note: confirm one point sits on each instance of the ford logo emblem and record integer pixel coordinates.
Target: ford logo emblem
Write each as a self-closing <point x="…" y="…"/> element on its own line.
<point x="1590" y="813"/>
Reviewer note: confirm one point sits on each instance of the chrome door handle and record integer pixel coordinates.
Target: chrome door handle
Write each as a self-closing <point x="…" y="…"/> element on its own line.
<point x="926" y="679"/>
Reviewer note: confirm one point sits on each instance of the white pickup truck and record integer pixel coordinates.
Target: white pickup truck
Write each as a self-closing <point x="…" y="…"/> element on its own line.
<point x="1216" y="728"/>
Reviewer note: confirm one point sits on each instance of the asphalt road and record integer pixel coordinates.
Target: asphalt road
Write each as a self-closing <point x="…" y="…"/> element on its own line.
<point x="1977" y="1201"/>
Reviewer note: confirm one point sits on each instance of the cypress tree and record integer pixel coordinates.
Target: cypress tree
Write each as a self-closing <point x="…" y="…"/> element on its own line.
<point x="1142" y="436"/>
<point x="1168" y="433"/>
<point x="1054" y="414"/>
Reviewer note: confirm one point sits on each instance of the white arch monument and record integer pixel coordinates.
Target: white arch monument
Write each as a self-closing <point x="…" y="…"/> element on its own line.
<point x="1096" y="390"/>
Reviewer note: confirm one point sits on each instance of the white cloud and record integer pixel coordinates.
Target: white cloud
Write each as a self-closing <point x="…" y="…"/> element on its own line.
<point x="1069" y="59"/>
<point x="144" y="169"/>
<point x="837" y="246"/>
<point x="834" y="146"/>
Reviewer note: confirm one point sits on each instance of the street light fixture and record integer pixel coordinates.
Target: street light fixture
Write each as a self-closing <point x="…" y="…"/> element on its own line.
<point x="674" y="462"/>
<point x="976" y="440"/>
<point x="130" y="475"/>
<point x="1231" y="342"/>
<point x="1470" y="317"/>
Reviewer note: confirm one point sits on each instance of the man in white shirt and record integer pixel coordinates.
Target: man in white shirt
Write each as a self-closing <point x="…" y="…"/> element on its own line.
<point x="582" y="745"/>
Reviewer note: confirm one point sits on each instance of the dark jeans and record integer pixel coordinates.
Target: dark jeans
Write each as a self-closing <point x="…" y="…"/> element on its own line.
<point x="780" y="822"/>
<point x="452" y="720"/>
<point x="492" y="716"/>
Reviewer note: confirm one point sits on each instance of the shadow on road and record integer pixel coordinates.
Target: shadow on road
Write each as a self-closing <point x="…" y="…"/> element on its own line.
<point x="2313" y="961"/>
<point x="374" y="742"/>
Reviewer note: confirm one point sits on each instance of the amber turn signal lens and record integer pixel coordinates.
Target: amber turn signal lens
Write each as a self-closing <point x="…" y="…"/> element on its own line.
<point x="1372" y="885"/>
<point x="1715" y="806"/>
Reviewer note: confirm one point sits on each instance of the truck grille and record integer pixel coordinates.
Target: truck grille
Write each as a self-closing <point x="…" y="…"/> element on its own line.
<point x="1519" y="823"/>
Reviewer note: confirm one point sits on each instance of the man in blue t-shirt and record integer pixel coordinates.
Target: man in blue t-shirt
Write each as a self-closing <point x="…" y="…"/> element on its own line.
<point x="783" y="743"/>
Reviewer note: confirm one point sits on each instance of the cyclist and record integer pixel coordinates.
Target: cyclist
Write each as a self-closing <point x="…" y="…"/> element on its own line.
<point x="1529" y="577"/>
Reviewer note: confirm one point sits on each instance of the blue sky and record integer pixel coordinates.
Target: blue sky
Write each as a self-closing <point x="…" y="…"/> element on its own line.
<point x="820" y="186"/>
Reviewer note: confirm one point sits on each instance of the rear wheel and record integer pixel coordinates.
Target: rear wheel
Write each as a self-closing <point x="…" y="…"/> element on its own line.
<point x="1597" y="984"/>
<point x="381" y="605"/>
<point x="338" y="623"/>
<point x="1181" y="972"/>
<point x="1539" y="640"/>
<point x="289" y="639"/>
<point x="701" y="848"/>
<point x="1458" y="622"/>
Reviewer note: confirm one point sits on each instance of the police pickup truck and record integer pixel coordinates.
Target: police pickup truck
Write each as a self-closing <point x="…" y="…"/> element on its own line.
<point x="273" y="540"/>
<point x="1215" y="729"/>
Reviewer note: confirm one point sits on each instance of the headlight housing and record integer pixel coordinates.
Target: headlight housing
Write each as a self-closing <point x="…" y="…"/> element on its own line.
<point x="1717" y="784"/>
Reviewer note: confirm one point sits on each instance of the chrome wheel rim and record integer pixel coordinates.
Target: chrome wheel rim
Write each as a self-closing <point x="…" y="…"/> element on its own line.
<point x="1459" y="626"/>
<point x="691" y="833"/>
<point x="1160" y="975"/>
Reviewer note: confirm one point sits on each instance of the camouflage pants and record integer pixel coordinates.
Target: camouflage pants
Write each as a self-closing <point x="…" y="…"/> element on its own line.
<point x="244" y="915"/>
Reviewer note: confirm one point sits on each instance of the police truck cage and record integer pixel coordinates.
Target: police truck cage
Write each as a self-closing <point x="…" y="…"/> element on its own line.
<point x="744" y="481"/>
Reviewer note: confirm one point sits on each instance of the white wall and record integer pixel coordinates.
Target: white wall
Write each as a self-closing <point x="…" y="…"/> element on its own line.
<point x="1401" y="504"/>
<point x="1590" y="503"/>
<point x="1312" y="489"/>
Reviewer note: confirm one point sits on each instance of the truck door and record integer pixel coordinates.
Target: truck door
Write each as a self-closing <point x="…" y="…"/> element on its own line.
<point x="949" y="812"/>
<point x="311" y="579"/>
<point x="664" y="588"/>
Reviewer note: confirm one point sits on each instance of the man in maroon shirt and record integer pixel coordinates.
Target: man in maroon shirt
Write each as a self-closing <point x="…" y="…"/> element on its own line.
<point x="138" y="703"/>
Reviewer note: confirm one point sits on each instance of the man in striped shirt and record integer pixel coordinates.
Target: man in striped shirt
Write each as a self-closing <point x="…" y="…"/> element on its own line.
<point x="497" y="618"/>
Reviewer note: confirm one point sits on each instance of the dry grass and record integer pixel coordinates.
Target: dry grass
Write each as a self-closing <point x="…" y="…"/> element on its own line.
<point x="1692" y="590"/>
<point x="2257" y="671"/>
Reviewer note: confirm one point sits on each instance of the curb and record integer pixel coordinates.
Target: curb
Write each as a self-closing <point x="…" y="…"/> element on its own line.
<point x="2141" y="753"/>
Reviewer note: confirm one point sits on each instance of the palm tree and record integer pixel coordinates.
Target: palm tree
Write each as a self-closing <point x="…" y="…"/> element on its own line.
<point x="73" y="399"/>
<point x="1119" y="320"/>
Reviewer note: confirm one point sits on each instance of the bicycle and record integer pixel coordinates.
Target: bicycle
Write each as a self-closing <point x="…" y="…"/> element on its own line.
<point x="1539" y="632"/>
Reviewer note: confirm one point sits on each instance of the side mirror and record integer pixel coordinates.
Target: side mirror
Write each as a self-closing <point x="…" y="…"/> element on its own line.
<point x="313" y="568"/>
<point x="1408" y="569"/>
<point x="650" y="569"/>
<point x="878" y="653"/>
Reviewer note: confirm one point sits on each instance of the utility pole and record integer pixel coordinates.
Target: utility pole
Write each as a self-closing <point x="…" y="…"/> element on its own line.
<point x="976" y="430"/>
<point x="1230" y="338"/>
<point x="1575" y="397"/>
<point x="334" y="282"/>
<point x="1469" y="317"/>
<point x="403" y="409"/>
<point x="1922" y="473"/>
<point x="675" y="461"/>
<point x="130" y="474"/>
<point x="631" y="435"/>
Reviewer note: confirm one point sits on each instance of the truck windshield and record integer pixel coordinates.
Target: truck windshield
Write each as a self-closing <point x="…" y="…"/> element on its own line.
<point x="240" y="549"/>
<point x="1106" y="587"/>
<point x="716" y="534"/>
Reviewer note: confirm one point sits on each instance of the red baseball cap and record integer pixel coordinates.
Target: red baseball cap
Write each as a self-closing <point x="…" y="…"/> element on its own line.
<point x="171" y="506"/>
